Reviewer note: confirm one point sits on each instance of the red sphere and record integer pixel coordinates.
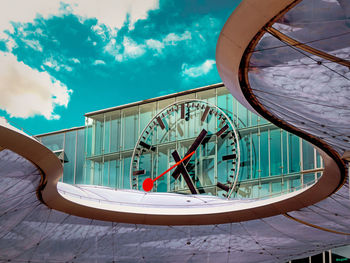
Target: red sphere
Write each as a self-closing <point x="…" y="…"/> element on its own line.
<point x="147" y="184"/>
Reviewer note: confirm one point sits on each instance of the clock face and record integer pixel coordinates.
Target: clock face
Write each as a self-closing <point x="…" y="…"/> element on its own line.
<point x="198" y="145"/>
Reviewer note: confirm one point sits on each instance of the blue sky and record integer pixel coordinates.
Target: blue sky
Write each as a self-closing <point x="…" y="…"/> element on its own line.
<point x="61" y="59"/>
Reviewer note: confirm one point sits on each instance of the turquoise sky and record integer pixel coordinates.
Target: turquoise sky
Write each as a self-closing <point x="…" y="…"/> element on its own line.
<point x="63" y="61"/>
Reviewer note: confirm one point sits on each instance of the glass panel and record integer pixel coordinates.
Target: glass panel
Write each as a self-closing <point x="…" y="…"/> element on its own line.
<point x="244" y="172"/>
<point x="146" y="164"/>
<point x="264" y="189"/>
<point x="126" y="173"/>
<point x="308" y="156"/>
<point x="207" y="95"/>
<point x="243" y="116"/>
<point x="318" y="160"/>
<point x="97" y="168"/>
<point x="285" y="150"/>
<point x="147" y="112"/>
<point x="275" y="151"/>
<point x="276" y="187"/>
<point x="309" y="178"/>
<point x="162" y="134"/>
<point x="53" y="142"/>
<point x="88" y="136"/>
<point x="69" y="151"/>
<point x="105" y="179"/>
<point x="113" y="173"/>
<point x="162" y="166"/>
<point x="254" y="119"/>
<point x="264" y="153"/>
<point x="107" y="135"/>
<point x="225" y="101"/>
<point x="88" y="172"/>
<point x="115" y="132"/>
<point x="130" y="127"/>
<point x="80" y="157"/>
<point x="207" y="166"/>
<point x="294" y="154"/>
<point x="255" y="154"/>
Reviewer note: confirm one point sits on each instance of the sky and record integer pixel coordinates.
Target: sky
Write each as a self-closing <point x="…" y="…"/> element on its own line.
<point x="60" y="59"/>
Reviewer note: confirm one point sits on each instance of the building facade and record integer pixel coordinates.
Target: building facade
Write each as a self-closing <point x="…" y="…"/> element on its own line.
<point x="271" y="161"/>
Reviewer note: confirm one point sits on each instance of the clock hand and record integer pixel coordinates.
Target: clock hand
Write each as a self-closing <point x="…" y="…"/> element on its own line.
<point x="148" y="182"/>
<point x="184" y="173"/>
<point x="192" y="148"/>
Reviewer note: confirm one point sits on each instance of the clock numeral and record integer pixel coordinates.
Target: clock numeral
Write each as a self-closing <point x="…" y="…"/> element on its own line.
<point x="244" y="163"/>
<point x="147" y="146"/>
<point x="161" y="123"/>
<point x="205" y="114"/>
<point x="139" y="172"/>
<point x="222" y="130"/>
<point x="223" y="187"/>
<point x="183" y="111"/>
<point x="228" y="157"/>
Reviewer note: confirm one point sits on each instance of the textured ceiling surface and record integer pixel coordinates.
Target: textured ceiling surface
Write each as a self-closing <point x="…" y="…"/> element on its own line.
<point x="30" y="231"/>
<point x="298" y="82"/>
<point x="308" y="91"/>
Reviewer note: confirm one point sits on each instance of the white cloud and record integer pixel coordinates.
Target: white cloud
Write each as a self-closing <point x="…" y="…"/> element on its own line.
<point x="99" y="62"/>
<point x="173" y="39"/>
<point x="26" y="92"/>
<point x="155" y="44"/>
<point x="129" y="49"/>
<point x="54" y="64"/>
<point x="112" y="13"/>
<point x="132" y="49"/>
<point x="75" y="60"/>
<point x="196" y="71"/>
<point x="34" y="44"/>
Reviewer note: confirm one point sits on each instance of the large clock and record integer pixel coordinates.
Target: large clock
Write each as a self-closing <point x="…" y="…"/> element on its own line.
<point x="198" y="140"/>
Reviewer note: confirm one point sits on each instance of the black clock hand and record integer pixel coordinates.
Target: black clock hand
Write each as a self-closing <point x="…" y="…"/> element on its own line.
<point x="184" y="172"/>
<point x="193" y="148"/>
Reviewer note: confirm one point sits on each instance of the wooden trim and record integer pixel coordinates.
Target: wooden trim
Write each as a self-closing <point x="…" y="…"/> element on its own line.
<point x="315" y="226"/>
<point x="292" y="42"/>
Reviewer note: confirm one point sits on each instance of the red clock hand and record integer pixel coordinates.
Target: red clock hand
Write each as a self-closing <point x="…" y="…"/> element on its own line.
<point x="148" y="182"/>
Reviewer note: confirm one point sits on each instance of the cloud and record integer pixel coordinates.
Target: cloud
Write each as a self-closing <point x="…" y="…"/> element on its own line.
<point x="75" y="60"/>
<point x="26" y="92"/>
<point x="196" y="71"/>
<point x="34" y="44"/>
<point x="155" y="44"/>
<point x="132" y="49"/>
<point x="54" y="64"/>
<point x="173" y="39"/>
<point x="112" y="13"/>
<point x="128" y="49"/>
<point x="99" y="62"/>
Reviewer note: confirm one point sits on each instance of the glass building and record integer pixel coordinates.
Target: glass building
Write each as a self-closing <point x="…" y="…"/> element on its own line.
<point x="68" y="145"/>
<point x="272" y="161"/>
